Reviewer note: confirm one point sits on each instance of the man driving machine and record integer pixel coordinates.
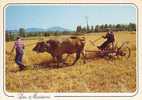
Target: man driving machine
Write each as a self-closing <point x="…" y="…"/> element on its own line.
<point x="110" y="39"/>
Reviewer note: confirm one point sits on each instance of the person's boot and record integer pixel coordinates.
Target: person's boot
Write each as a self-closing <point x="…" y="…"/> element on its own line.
<point x="99" y="47"/>
<point x="21" y="68"/>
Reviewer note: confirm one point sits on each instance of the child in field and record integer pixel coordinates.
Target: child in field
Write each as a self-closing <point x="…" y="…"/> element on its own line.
<point x="19" y="47"/>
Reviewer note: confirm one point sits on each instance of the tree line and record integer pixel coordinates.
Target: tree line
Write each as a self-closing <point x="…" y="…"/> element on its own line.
<point x="105" y="27"/>
<point x="10" y="36"/>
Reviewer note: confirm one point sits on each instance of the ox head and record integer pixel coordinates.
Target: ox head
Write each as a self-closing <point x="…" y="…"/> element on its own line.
<point x="40" y="47"/>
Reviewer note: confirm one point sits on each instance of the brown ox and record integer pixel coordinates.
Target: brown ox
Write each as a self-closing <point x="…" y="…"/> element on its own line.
<point x="59" y="47"/>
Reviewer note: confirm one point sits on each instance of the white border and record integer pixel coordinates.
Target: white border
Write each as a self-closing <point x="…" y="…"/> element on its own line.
<point x="76" y="94"/>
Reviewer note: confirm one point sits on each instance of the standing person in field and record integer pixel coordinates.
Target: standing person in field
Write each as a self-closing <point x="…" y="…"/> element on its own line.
<point x="19" y="47"/>
<point x="110" y="39"/>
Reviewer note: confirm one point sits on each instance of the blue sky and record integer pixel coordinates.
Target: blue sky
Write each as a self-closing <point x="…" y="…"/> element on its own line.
<point x="67" y="16"/>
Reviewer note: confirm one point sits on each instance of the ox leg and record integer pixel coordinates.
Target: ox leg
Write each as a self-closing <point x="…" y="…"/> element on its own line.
<point x="54" y="58"/>
<point x="59" y="60"/>
<point x="77" y="57"/>
<point x="84" y="57"/>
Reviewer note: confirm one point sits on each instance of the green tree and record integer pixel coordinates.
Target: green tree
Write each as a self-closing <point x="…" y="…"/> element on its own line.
<point x="8" y="38"/>
<point x="92" y="29"/>
<point x="118" y="27"/>
<point x="97" y="28"/>
<point x="88" y="29"/>
<point x="132" y="27"/>
<point x="102" y="28"/>
<point x="114" y="27"/>
<point x="78" y="29"/>
<point x="22" y="32"/>
<point x="84" y="30"/>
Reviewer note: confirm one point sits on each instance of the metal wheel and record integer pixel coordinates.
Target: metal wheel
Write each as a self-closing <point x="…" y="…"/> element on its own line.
<point x="124" y="52"/>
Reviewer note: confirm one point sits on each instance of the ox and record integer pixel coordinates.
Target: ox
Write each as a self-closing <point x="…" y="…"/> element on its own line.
<point x="57" y="48"/>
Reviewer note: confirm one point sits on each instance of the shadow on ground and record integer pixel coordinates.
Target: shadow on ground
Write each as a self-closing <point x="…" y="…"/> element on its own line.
<point x="49" y="64"/>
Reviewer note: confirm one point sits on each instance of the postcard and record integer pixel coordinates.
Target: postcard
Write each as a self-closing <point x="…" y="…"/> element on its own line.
<point x="70" y="50"/>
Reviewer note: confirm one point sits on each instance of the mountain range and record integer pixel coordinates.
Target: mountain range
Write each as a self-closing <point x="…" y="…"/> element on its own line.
<point x="51" y="29"/>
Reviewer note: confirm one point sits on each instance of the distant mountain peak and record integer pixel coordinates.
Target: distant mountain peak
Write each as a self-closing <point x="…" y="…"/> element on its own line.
<point x="51" y="29"/>
<point x="57" y="29"/>
<point x="35" y="30"/>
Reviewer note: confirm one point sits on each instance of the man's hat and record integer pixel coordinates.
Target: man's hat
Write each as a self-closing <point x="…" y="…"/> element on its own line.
<point x="18" y="37"/>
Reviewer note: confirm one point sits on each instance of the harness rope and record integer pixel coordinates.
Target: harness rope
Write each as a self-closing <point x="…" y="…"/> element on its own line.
<point x="92" y="42"/>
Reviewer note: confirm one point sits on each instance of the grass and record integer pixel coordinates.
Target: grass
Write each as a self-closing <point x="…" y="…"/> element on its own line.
<point x="97" y="75"/>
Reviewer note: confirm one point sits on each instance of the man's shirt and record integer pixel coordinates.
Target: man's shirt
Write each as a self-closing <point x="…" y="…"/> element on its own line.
<point x="19" y="46"/>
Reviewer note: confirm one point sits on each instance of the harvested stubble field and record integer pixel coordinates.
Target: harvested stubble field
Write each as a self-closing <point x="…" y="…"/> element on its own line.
<point x="97" y="75"/>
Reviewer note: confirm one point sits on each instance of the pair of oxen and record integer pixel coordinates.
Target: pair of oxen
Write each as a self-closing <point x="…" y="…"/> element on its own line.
<point x="57" y="48"/>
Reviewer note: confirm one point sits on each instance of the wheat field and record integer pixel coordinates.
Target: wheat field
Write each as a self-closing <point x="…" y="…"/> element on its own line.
<point x="97" y="75"/>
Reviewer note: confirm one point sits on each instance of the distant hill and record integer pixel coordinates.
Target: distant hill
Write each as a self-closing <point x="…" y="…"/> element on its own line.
<point x="57" y="29"/>
<point x="51" y="29"/>
<point x="13" y="31"/>
<point x="35" y="30"/>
